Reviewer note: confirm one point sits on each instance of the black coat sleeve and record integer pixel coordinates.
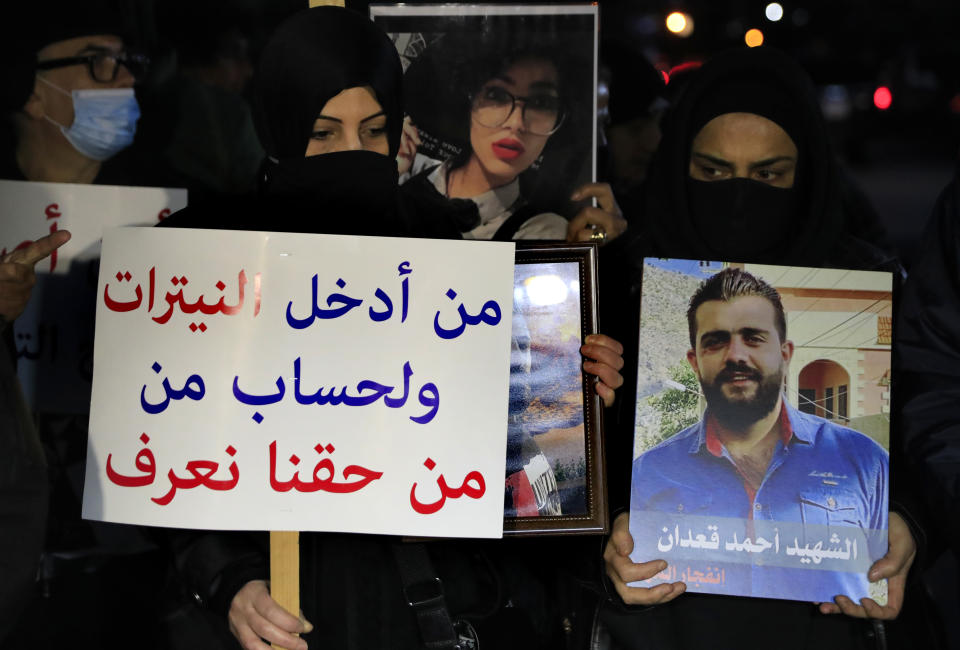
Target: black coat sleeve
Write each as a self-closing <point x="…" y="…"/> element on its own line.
<point x="927" y="335"/>
<point x="213" y="566"/>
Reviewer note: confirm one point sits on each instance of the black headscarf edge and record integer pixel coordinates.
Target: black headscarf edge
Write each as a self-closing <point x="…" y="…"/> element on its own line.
<point x="313" y="56"/>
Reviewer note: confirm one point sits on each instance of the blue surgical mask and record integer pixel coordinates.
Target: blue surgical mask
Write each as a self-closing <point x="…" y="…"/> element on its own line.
<point x="104" y="121"/>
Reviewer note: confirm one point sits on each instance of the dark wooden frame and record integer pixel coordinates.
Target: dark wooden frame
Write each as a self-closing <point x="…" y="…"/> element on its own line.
<point x="595" y="520"/>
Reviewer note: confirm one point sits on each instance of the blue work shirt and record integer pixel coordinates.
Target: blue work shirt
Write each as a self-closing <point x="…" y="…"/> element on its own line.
<point x="817" y="522"/>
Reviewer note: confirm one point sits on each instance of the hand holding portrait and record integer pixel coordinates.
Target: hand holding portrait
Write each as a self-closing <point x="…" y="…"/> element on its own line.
<point x="605" y="218"/>
<point x="409" y="143"/>
<point x="622" y="570"/>
<point x="784" y="474"/>
<point x="17" y="275"/>
<point x="604" y="361"/>
<point x="255" y="617"/>
<point x="894" y="566"/>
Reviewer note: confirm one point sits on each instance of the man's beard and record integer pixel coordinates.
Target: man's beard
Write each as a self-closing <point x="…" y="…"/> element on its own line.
<point x="739" y="415"/>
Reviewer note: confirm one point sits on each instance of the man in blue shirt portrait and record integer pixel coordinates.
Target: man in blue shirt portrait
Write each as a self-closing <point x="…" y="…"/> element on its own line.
<point x="757" y="498"/>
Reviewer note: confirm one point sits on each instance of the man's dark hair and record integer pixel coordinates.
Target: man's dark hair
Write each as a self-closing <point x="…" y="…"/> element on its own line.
<point x="733" y="283"/>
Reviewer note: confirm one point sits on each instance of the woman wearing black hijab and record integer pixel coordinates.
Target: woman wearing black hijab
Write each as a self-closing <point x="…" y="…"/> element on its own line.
<point x="807" y="223"/>
<point x="744" y="173"/>
<point x="320" y="56"/>
<point x="327" y="110"/>
<point x="786" y="201"/>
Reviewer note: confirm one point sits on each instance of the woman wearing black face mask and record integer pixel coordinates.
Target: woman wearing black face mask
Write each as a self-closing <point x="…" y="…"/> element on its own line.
<point x="327" y="110"/>
<point x="751" y="117"/>
<point x="744" y="173"/>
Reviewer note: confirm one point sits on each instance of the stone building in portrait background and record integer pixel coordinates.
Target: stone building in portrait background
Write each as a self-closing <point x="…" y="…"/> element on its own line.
<point x="840" y="324"/>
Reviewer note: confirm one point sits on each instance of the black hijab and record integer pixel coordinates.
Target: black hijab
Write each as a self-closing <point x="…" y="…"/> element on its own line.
<point x="742" y="220"/>
<point x="313" y="56"/>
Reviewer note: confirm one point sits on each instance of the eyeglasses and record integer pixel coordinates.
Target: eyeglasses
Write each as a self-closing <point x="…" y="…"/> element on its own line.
<point x="541" y="114"/>
<point x="103" y="64"/>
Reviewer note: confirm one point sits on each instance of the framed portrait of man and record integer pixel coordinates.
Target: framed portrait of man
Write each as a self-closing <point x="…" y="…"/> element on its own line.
<point x="762" y="428"/>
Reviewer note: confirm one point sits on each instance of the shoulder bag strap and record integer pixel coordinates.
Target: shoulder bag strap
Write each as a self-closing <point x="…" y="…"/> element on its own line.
<point x="423" y="591"/>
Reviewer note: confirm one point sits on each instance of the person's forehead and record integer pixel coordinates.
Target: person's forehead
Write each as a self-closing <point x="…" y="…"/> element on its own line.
<point x="355" y="102"/>
<point x="731" y="315"/>
<point x="744" y="136"/>
<point x="74" y="46"/>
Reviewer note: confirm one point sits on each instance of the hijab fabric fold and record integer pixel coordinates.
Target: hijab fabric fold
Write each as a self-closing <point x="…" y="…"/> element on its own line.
<point x="313" y="56"/>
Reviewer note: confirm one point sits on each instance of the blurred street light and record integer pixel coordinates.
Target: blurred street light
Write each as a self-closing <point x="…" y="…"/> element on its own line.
<point x="882" y="98"/>
<point x="680" y="24"/>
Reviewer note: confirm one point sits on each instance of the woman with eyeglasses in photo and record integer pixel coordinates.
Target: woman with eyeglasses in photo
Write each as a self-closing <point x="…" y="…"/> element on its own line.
<point x="505" y="108"/>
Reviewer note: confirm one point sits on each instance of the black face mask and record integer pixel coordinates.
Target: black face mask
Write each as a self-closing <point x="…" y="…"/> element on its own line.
<point x="352" y="192"/>
<point x="743" y="219"/>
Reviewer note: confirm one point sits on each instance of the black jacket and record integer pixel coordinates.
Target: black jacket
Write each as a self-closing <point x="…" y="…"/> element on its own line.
<point x="927" y="342"/>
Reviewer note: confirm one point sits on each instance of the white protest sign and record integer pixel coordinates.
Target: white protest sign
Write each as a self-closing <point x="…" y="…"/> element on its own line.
<point x="54" y="335"/>
<point x="273" y="381"/>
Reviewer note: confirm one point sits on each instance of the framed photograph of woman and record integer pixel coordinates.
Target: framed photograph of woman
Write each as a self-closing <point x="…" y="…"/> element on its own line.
<point x="554" y="471"/>
<point x="500" y="110"/>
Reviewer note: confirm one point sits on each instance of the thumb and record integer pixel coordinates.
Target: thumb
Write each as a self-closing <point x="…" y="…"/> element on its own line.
<point x="624" y="544"/>
<point x="882" y="568"/>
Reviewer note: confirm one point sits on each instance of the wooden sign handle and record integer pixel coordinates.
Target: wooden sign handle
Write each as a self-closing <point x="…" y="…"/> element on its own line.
<point x="285" y="570"/>
<point x="285" y="545"/>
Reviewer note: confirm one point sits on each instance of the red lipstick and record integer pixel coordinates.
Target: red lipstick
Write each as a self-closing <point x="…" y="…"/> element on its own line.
<point x="507" y="149"/>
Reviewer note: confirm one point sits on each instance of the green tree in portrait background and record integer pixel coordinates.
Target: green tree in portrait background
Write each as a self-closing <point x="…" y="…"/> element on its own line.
<point x="677" y="408"/>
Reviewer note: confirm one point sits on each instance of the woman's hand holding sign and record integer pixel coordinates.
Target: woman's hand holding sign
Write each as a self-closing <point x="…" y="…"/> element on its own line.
<point x="254" y="617"/>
